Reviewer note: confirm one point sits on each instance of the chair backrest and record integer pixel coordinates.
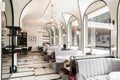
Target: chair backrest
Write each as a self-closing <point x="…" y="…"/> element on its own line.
<point x="115" y="64"/>
<point x="30" y="48"/>
<point x="65" y="52"/>
<point x="93" y="67"/>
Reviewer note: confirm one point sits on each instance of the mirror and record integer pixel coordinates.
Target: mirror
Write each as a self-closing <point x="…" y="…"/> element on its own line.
<point x="97" y="29"/>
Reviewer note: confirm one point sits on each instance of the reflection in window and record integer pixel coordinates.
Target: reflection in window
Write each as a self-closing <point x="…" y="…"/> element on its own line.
<point x="101" y="35"/>
<point x="97" y="33"/>
<point x="75" y="37"/>
<point x="103" y="18"/>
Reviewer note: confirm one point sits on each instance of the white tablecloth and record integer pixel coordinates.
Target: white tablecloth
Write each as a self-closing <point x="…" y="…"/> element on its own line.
<point x="114" y="75"/>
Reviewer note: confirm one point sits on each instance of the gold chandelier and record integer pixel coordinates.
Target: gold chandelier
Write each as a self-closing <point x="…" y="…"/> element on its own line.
<point x="51" y="21"/>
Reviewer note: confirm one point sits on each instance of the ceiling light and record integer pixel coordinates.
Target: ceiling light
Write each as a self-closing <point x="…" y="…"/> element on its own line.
<point x="52" y="21"/>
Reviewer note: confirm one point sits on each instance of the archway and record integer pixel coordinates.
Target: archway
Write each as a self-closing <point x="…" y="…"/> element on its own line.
<point x="97" y="26"/>
<point x="75" y="31"/>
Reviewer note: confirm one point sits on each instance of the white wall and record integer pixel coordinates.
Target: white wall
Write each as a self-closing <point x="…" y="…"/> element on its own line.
<point x="33" y="32"/>
<point x="18" y="6"/>
<point x="6" y="42"/>
<point x="119" y="32"/>
<point x="112" y="4"/>
<point x="8" y="12"/>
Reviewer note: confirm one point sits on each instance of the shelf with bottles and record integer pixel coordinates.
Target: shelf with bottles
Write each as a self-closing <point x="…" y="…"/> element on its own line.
<point x="22" y="40"/>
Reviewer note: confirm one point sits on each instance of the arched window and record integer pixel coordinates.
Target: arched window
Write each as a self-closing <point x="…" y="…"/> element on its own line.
<point x="97" y="28"/>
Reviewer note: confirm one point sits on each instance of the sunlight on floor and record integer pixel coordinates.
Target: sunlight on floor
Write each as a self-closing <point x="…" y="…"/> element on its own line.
<point x="30" y="67"/>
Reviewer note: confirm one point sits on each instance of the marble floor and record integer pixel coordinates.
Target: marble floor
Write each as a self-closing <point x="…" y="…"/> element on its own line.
<point x="30" y="67"/>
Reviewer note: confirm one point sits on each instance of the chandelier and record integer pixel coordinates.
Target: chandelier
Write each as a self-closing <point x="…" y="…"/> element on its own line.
<point x="51" y="21"/>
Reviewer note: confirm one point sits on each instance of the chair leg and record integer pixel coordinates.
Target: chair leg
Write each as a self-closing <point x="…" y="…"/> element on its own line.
<point x="25" y="53"/>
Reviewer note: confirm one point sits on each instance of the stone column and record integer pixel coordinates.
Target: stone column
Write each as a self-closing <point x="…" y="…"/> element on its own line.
<point x="60" y="34"/>
<point x="66" y="17"/>
<point x="84" y="35"/>
<point x="68" y="36"/>
<point x="119" y="32"/>
<point x="93" y="38"/>
<point x="54" y="36"/>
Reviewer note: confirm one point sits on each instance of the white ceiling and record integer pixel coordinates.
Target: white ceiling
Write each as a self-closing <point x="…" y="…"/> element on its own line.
<point x="38" y="11"/>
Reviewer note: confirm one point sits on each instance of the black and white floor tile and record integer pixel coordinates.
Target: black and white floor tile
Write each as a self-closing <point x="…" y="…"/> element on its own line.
<point x="30" y="67"/>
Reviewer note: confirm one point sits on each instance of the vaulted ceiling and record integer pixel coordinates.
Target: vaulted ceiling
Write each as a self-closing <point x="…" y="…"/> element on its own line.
<point x="35" y="12"/>
<point x="39" y="11"/>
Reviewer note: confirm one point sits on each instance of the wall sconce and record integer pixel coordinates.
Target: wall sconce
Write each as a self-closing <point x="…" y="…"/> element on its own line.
<point x="113" y="22"/>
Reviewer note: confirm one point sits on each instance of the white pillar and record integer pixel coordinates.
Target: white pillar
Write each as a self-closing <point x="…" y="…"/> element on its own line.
<point x="63" y="35"/>
<point x="80" y="40"/>
<point x="93" y="38"/>
<point x="68" y="36"/>
<point x="2" y="8"/>
<point x="66" y="18"/>
<point x="54" y="36"/>
<point x="84" y="35"/>
<point x="86" y="32"/>
<point x="75" y="39"/>
<point x="118" y="32"/>
<point x="50" y="36"/>
<point x="60" y="34"/>
<point x="57" y="36"/>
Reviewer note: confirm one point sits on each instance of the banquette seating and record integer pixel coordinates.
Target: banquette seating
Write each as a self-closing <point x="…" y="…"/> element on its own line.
<point x="61" y="56"/>
<point x="96" y="69"/>
<point x="65" y="54"/>
<point x="50" y="50"/>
